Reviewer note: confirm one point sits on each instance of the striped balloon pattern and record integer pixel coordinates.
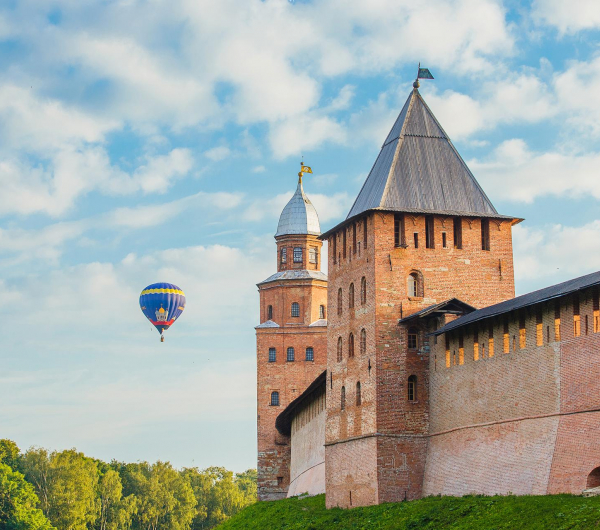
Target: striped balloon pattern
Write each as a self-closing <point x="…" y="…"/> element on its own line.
<point x="162" y="304"/>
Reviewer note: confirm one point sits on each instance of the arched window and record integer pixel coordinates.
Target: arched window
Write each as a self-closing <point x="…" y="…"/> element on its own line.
<point x="358" y="396"/>
<point x="274" y="399"/>
<point x="284" y="255"/>
<point x="593" y="480"/>
<point x="339" y="350"/>
<point x="413" y="338"/>
<point x="351" y="296"/>
<point x="413" y="284"/>
<point x="272" y="355"/>
<point x="351" y="345"/>
<point x="295" y="309"/>
<point x="343" y="398"/>
<point x="310" y="354"/>
<point x="339" y="301"/>
<point x="290" y="354"/>
<point x="313" y="255"/>
<point x="412" y="388"/>
<point x="363" y="341"/>
<point x="363" y="291"/>
<point x="297" y="254"/>
<point x="270" y="312"/>
<point x="321" y="311"/>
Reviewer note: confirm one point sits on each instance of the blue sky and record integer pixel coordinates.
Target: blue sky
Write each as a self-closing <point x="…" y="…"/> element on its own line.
<point x="156" y="140"/>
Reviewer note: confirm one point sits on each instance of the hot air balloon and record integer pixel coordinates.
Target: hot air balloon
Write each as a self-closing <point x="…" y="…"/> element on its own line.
<point x="162" y="304"/>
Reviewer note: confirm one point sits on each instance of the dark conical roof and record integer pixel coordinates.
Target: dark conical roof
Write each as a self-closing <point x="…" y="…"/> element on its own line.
<point x="419" y="170"/>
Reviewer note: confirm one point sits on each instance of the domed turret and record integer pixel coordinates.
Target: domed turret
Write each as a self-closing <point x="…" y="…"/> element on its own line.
<point x="299" y="216"/>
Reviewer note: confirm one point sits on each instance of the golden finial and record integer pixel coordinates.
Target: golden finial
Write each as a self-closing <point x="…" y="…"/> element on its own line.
<point x="303" y="169"/>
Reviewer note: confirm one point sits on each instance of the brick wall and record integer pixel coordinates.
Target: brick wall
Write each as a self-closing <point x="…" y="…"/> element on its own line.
<point x="397" y="427"/>
<point x="497" y="424"/>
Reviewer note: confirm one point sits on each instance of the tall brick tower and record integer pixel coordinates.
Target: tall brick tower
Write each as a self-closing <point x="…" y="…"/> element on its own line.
<point x="291" y="341"/>
<point x="420" y="233"/>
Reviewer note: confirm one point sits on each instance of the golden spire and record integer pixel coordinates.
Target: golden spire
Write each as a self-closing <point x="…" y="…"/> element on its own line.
<point x="303" y="169"/>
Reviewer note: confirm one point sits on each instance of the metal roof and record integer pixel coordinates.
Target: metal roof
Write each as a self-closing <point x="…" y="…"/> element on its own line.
<point x="283" y="423"/>
<point x="298" y="274"/>
<point x="322" y="322"/>
<point x="299" y="216"/>
<point x="418" y="169"/>
<point x="453" y="305"/>
<point x="536" y="297"/>
<point x="267" y="324"/>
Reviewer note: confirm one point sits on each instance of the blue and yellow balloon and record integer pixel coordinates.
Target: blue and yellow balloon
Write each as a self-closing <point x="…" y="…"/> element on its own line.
<point x="162" y="304"/>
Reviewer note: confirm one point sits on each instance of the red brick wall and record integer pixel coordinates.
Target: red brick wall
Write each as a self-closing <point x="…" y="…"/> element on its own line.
<point x="475" y="276"/>
<point x="290" y="379"/>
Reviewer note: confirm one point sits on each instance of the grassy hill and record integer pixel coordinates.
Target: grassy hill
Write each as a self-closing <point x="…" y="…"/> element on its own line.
<point x="552" y="512"/>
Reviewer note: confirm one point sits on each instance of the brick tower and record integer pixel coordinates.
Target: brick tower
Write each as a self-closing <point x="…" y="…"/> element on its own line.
<point x="291" y="341"/>
<point x="420" y="233"/>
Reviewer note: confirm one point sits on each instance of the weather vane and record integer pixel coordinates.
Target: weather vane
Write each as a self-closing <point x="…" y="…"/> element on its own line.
<point x="303" y="169"/>
<point x="422" y="73"/>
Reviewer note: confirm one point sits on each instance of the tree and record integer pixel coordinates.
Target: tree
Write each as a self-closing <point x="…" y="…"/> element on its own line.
<point x="116" y="512"/>
<point x="18" y="503"/>
<point x="9" y="454"/>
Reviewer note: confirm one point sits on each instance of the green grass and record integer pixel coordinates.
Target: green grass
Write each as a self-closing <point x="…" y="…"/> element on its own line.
<point x="550" y="512"/>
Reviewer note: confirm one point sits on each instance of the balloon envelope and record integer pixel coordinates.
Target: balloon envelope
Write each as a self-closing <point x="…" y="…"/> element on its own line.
<point x="162" y="303"/>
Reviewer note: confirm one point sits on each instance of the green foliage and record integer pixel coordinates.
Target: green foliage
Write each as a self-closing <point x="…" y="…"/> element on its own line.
<point x="18" y="503"/>
<point x="556" y="512"/>
<point x="75" y="492"/>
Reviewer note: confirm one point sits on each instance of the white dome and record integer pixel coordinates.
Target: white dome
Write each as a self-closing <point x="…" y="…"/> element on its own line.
<point x="299" y="216"/>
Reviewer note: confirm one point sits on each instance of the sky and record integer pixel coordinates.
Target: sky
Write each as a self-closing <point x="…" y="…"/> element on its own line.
<point x="158" y="140"/>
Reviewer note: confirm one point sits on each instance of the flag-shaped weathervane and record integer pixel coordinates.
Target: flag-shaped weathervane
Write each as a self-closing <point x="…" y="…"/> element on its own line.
<point x="303" y="169"/>
<point x="423" y="73"/>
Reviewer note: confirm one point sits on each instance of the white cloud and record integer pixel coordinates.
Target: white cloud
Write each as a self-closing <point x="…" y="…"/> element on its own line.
<point x="258" y="169"/>
<point x="555" y="253"/>
<point x="514" y="172"/>
<point x="217" y="154"/>
<point x="568" y="17"/>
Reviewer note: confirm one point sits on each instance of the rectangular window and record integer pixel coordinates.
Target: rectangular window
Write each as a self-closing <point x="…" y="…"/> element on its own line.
<point x="576" y="317"/>
<point x="283" y="255"/>
<point x="522" y="333"/>
<point x="297" y="254"/>
<point x="447" y="358"/>
<point x="485" y="234"/>
<point x="506" y="338"/>
<point x="334" y="241"/>
<point x="557" y="321"/>
<point x="457" y="232"/>
<point x="416" y="237"/>
<point x="313" y="255"/>
<point x="310" y="354"/>
<point x="491" y="339"/>
<point x="354" y="238"/>
<point x="539" y="329"/>
<point x="399" y="237"/>
<point x="475" y="346"/>
<point x="444" y="244"/>
<point x="365" y="232"/>
<point x="461" y="350"/>
<point x="272" y="355"/>
<point x="429" y="232"/>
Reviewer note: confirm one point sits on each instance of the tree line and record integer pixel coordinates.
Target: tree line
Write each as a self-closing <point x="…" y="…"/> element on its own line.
<point x="66" y="490"/>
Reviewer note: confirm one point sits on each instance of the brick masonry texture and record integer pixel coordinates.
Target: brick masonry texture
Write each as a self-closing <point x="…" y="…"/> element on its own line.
<point x="289" y="379"/>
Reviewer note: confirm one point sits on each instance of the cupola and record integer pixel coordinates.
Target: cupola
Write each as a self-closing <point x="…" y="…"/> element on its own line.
<point x="299" y="217"/>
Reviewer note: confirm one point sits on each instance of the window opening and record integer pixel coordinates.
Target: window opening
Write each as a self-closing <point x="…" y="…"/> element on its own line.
<point x="365" y="232"/>
<point x="447" y="337"/>
<point x="272" y="355"/>
<point x="461" y="350"/>
<point x="343" y="398"/>
<point x="506" y="338"/>
<point x="358" y="396"/>
<point x="485" y="234"/>
<point x="596" y="310"/>
<point x="351" y="345"/>
<point x="491" y="340"/>
<point x="295" y="309"/>
<point x="322" y="312"/>
<point x="399" y="234"/>
<point x="413" y="284"/>
<point x="539" y="329"/>
<point x="429" y="232"/>
<point x="444" y="243"/>
<point x="363" y="291"/>
<point x="310" y="354"/>
<point x="339" y="350"/>
<point x="339" y="307"/>
<point x="344" y="243"/>
<point x="557" y="321"/>
<point x="457" y="232"/>
<point x="576" y="317"/>
<point x="313" y="255"/>
<point x="274" y="399"/>
<point x="297" y="254"/>
<point x="290" y="354"/>
<point x="354" y="238"/>
<point x="363" y="341"/>
<point x="334" y="244"/>
<point x="416" y="239"/>
<point x="284" y="255"/>
<point x="475" y="345"/>
<point x="270" y="312"/>
<point x="412" y="388"/>
<point x="522" y="333"/>
<point x="413" y="338"/>
<point x="351" y="296"/>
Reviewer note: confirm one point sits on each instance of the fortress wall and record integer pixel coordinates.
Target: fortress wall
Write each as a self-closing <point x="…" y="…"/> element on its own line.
<point x="307" y="467"/>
